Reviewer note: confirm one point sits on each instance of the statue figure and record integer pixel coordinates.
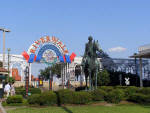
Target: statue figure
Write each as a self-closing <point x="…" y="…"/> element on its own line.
<point x="90" y="63"/>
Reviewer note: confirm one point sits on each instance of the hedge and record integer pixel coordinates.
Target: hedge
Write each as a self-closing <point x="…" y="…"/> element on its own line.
<point x="22" y="91"/>
<point x="34" y="99"/>
<point x="65" y="96"/>
<point x="14" y="99"/>
<point x="114" y="96"/>
<point x="140" y="98"/>
<point x="46" y="98"/>
<point x="81" y="97"/>
<point x="98" y="95"/>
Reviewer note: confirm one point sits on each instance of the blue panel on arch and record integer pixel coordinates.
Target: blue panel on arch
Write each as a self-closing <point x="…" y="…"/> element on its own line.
<point x="38" y="58"/>
<point x="44" y="48"/>
<point x="61" y="58"/>
<point x="31" y="58"/>
<point x="67" y="58"/>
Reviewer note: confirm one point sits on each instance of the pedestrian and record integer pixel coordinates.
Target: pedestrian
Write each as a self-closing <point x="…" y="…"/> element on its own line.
<point x="7" y="89"/>
<point x="12" y="89"/>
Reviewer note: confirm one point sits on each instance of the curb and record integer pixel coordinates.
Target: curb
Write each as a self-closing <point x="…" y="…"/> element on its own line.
<point x="2" y="109"/>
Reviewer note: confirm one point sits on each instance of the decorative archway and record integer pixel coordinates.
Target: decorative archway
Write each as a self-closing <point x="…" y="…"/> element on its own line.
<point x="50" y="47"/>
<point x="49" y="50"/>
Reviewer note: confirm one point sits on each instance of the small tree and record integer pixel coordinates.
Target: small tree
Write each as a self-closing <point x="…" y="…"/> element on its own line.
<point x="103" y="78"/>
<point x="55" y="69"/>
<point x="10" y="79"/>
<point x="1" y="64"/>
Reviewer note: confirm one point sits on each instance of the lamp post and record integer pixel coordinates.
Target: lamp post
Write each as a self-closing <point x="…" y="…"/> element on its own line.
<point x="8" y="60"/>
<point x="4" y="30"/>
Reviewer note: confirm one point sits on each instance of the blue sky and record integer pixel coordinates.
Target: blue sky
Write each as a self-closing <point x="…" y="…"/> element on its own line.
<point x="124" y="23"/>
<point x="114" y="23"/>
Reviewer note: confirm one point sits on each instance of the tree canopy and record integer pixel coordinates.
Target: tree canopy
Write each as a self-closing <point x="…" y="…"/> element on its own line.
<point x="55" y="69"/>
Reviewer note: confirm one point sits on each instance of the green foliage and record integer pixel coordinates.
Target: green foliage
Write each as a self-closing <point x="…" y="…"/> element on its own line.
<point x="34" y="99"/>
<point x="144" y="90"/>
<point x="10" y="79"/>
<point x="65" y="96"/>
<point x="114" y="96"/>
<point x="140" y="98"/>
<point x="81" y="97"/>
<point x="55" y="69"/>
<point x="106" y="88"/>
<point x="1" y="64"/>
<point x="130" y="91"/>
<point x="22" y="91"/>
<point x="98" y="95"/>
<point x="103" y="78"/>
<point x="14" y="99"/>
<point x="46" y="98"/>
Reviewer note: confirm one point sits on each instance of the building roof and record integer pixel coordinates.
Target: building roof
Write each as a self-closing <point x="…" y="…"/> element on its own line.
<point x="3" y="70"/>
<point x="141" y="55"/>
<point x="144" y="52"/>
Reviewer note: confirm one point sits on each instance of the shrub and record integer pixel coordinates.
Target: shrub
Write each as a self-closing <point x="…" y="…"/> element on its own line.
<point x="48" y="98"/>
<point x="120" y="87"/>
<point x="145" y="91"/>
<point x="130" y="91"/>
<point x="34" y="99"/>
<point x="14" y="99"/>
<point x="140" y="98"/>
<point x="64" y="96"/>
<point x="106" y="88"/>
<point x="98" y="95"/>
<point x="35" y="90"/>
<point x="22" y="91"/>
<point x="114" y="96"/>
<point x="45" y="98"/>
<point x="81" y="97"/>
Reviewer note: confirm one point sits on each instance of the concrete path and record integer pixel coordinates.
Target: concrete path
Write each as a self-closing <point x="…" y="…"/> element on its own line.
<point x="2" y="110"/>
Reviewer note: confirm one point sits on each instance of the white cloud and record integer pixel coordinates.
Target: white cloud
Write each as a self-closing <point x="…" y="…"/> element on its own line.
<point x="117" y="49"/>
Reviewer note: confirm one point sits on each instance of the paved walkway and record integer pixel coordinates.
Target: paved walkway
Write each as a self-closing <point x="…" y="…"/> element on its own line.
<point x="2" y="110"/>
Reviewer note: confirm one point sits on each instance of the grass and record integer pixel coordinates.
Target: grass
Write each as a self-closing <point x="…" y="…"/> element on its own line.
<point x="84" y="109"/>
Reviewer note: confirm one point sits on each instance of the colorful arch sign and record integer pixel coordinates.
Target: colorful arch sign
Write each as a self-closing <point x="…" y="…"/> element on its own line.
<point x="48" y="49"/>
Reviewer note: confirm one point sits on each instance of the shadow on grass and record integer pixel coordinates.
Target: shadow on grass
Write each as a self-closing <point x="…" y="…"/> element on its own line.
<point x="66" y="109"/>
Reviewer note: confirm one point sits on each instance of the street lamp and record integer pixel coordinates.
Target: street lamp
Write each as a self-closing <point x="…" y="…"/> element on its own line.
<point x="4" y="30"/>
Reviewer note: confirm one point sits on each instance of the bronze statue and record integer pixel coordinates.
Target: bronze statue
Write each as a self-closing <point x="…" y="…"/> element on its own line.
<point x="90" y="63"/>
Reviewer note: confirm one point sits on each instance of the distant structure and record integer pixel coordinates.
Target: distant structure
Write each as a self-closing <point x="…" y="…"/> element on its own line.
<point x="17" y="61"/>
<point x="143" y="53"/>
<point x="132" y="66"/>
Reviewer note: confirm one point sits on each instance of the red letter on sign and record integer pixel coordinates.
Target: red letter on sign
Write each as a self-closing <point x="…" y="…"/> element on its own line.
<point x="37" y="42"/>
<point x="32" y="51"/>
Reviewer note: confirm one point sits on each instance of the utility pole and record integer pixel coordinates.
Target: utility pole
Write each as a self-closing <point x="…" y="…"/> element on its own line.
<point x="8" y="60"/>
<point x="4" y="30"/>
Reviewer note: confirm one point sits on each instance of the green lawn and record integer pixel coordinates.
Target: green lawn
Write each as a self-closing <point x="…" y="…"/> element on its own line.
<point x="85" y="109"/>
